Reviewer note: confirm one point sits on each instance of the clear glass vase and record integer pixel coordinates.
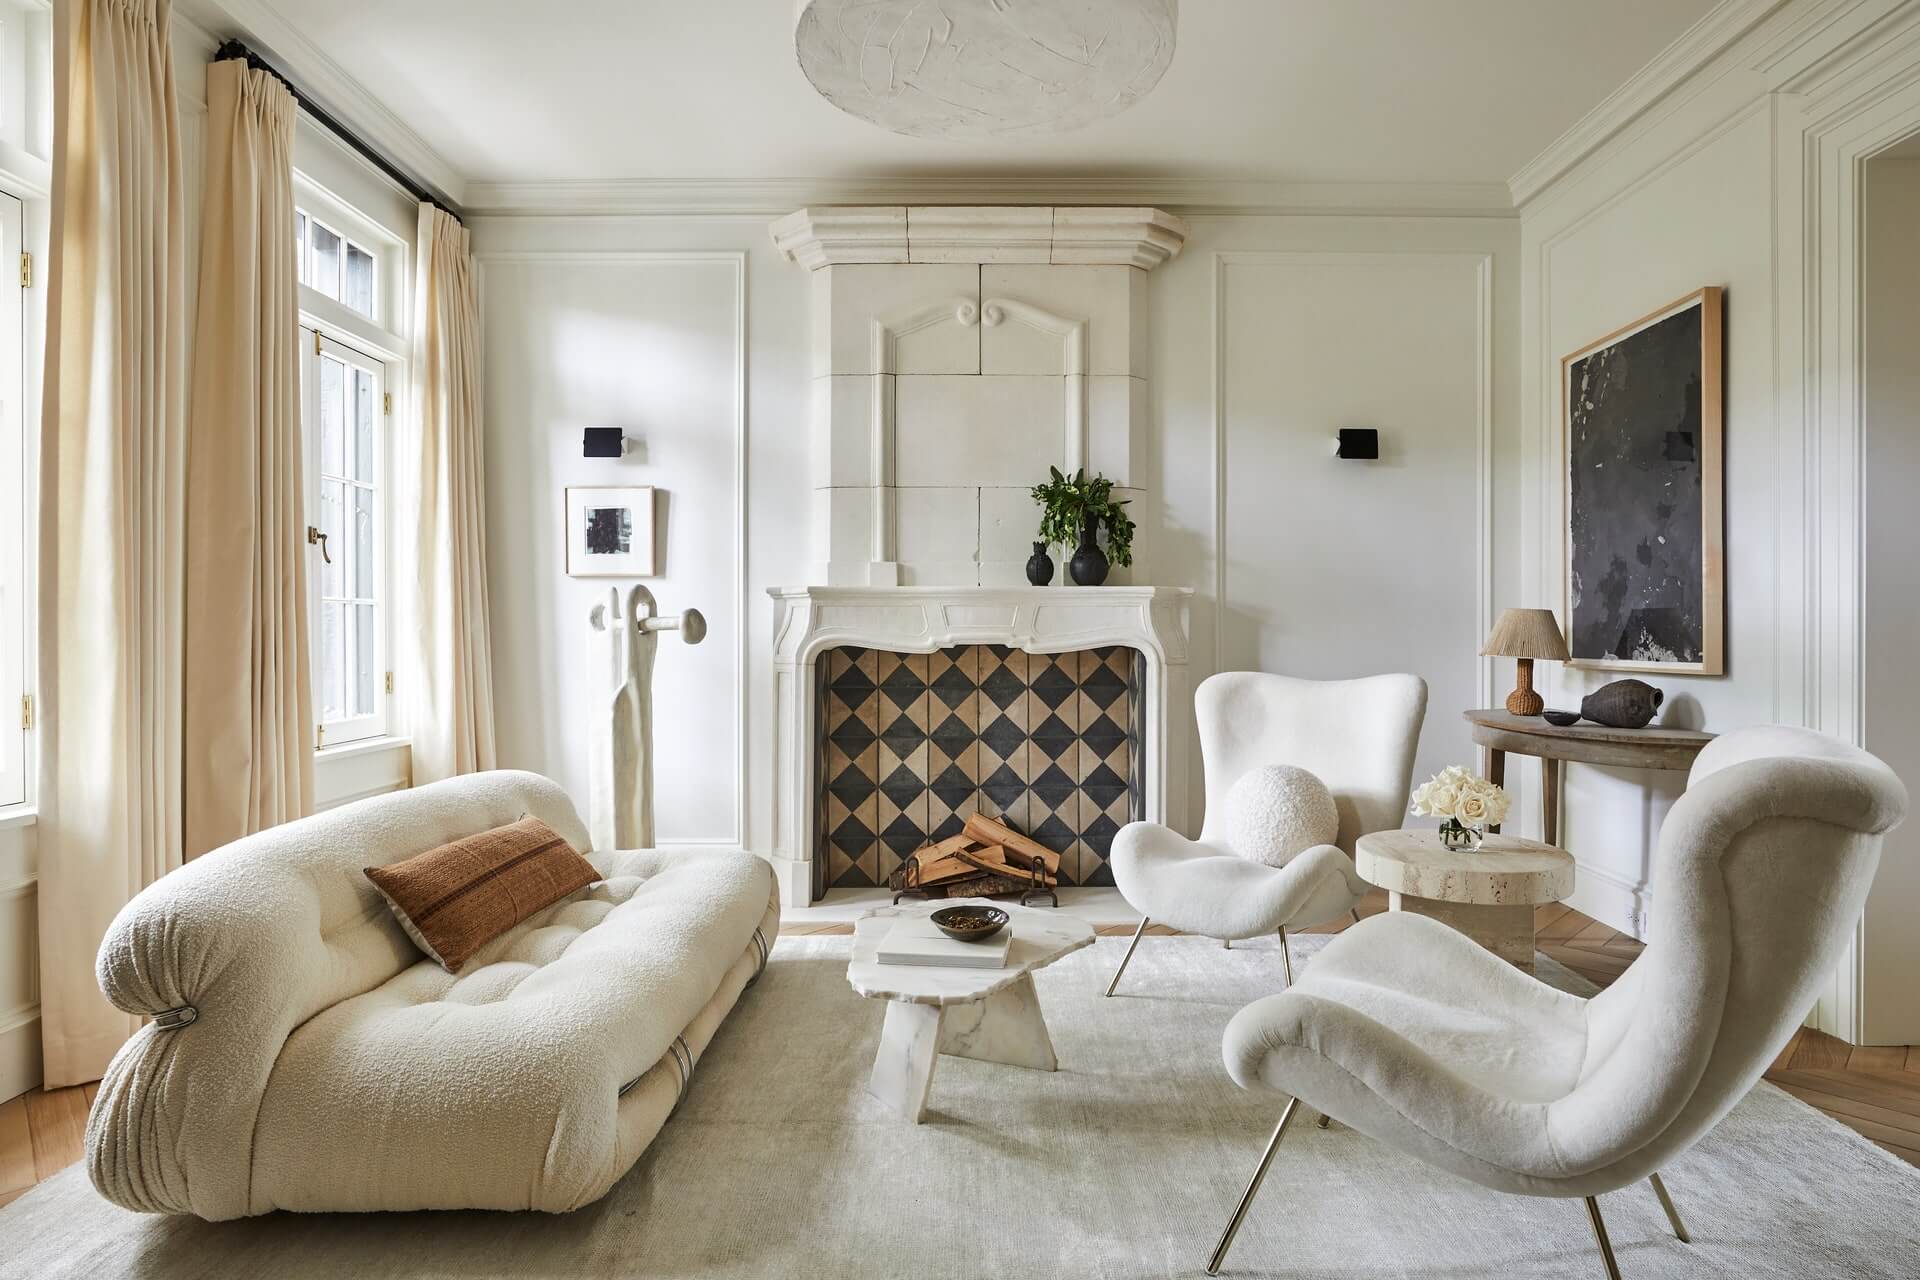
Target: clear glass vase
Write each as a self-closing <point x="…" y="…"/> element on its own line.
<point x="1457" y="835"/>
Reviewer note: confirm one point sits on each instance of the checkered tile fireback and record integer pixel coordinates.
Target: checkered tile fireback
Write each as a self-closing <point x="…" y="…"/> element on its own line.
<point x="912" y="743"/>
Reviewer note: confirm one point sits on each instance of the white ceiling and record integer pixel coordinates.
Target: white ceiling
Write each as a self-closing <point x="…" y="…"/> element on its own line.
<point x="1301" y="91"/>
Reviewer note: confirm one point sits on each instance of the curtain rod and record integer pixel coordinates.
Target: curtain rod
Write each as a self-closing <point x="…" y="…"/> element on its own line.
<point x="238" y="49"/>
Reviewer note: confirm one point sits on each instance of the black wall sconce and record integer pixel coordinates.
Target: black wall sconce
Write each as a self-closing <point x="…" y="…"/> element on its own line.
<point x="1358" y="442"/>
<point x="603" y="442"/>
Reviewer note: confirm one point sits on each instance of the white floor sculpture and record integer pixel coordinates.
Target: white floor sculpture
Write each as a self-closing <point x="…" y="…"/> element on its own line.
<point x="621" y="725"/>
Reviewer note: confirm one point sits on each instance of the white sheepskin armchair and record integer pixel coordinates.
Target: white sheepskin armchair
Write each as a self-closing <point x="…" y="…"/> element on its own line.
<point x="1357" y="736"/>
<point x="1419" y="1038"/>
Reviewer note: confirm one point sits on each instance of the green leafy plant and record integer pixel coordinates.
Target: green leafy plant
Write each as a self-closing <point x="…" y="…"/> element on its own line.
<point x="1068" y="503"/>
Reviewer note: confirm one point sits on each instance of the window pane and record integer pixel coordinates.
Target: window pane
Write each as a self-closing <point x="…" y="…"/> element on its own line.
<point x="300" y="246"/>
<point x="362" y="426"/>
<point x="326" y="261"/>
<point x="333" y="412"/>
<point x="363" y="583"/>
<point x="333" y="523"/>
<point x="359" y="291"/>
<point x="332" y="660"/>
<point x="364" y="656"/>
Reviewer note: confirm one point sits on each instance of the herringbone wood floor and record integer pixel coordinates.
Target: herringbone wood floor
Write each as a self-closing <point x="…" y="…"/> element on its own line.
<point x="1875" y="1091"/>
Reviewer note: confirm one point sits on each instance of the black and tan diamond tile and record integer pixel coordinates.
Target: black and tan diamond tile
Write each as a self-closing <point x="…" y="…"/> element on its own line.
<point x="849" y="803"/>
<point x="1053" y="757"/>
<point x="1137" y="738"/>
<point x="1000" y="754"/>
<point x="901" y="765"/>
<point x="953" y="712"/>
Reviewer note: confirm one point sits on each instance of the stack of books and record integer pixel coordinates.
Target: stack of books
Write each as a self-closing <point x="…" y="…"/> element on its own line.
<point x="916" y="940"/>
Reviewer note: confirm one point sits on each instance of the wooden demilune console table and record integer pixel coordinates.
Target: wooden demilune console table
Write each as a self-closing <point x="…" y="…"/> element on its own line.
<point x="1498" y="732"/>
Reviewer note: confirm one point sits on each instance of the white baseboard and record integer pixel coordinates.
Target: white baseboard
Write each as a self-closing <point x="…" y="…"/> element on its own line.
<point x="1613" y="900"/>
<point x="20" y="1053"/>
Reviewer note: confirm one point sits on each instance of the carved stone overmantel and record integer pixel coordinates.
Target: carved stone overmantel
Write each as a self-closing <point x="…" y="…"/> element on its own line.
<point x="958" y="353"/>
<point x="810" y="620"/>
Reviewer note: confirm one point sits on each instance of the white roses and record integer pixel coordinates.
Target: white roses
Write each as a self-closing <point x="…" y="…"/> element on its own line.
<point x="1470" y="801"/>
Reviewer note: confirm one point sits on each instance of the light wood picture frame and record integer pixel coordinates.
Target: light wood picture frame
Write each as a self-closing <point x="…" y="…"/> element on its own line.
<point x="610" y="532"/>
<point x="1643" y="554"/>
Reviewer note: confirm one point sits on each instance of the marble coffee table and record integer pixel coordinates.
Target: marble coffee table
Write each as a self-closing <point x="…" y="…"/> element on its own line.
<point x="989" y="1014"/>
<point x="1488" y="893"/>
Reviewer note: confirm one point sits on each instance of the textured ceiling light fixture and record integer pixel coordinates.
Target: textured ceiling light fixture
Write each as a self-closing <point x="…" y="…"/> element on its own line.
<point x="984" y="68"/>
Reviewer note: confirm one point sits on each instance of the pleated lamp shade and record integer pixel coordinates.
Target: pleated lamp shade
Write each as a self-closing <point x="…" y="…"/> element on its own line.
<point x="1525" y="634"/>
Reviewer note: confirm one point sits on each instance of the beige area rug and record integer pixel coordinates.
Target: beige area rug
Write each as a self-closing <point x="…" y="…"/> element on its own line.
<point x="1125" y="1163"/>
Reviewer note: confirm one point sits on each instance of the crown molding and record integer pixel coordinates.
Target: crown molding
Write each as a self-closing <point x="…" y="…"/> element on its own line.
<point x="1699" y="45"/>
<point x="346" y="98"/>
<point x="768" y="198"/>
<point x="1102" y="235"/>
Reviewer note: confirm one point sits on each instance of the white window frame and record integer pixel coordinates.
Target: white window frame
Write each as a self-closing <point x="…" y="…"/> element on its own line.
<point x="361" y="340"/>
<point x="16" y="534"/>
<point x="317" y="346"/>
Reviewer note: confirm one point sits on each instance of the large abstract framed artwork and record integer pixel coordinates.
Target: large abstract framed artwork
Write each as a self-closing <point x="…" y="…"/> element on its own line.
<point x="1645" y="584"/>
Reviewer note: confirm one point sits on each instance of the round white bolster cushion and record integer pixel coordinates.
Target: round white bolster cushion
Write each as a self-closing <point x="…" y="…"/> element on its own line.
<point x="1278" y="812"/>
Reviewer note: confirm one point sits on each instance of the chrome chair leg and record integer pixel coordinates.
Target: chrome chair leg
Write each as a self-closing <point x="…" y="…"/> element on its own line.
<point x="1253" y="1189"/>
<point x="1356" y="915"/>
<point x="1599" y="1226"/>
<point x="1226" y="944"/>
<point x="1673" y="1214"/>
<point x="1127" y="957"/>
<point x="1323" y="1121"/>
<point x="1286" y="957"/>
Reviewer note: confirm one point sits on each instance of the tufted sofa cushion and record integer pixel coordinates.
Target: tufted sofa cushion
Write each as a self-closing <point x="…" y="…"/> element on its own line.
<point x="327" y="1065"/>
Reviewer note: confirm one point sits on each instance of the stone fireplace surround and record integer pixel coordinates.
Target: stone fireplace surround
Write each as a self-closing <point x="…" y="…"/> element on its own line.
<point x="809" y="622"/>
<point x="957" y="353"/>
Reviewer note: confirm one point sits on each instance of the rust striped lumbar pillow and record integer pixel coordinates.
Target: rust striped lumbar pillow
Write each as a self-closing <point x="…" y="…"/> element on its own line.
<point x="457" y="898"/>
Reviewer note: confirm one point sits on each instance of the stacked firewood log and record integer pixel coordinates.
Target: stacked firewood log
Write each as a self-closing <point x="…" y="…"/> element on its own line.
<point x="987" y="857"/>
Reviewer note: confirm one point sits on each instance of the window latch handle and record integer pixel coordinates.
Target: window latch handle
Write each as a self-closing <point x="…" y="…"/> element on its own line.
<point x="313" y="536"/>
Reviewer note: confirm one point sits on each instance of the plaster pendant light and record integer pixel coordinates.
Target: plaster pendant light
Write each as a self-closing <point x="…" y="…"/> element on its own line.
<point x="984" y="68"/>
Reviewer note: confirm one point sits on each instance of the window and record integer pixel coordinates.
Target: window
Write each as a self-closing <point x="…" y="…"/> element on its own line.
<point x="14" y="532"/>
<point x="332" y="265"/>
<point x="344" y="417"/>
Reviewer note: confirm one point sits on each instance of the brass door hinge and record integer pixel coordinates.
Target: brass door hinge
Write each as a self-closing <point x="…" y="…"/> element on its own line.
<point x="389" y="682"/>
<point x="316" y="342"/>
<point x="26" y="271"/>
<point x="319" y="736"/>
<point x="386" y="403"/>
<point x="26" y="711"/>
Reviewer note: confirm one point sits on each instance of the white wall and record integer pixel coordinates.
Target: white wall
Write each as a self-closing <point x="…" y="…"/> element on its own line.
<point x="582" y="328"/>
<point x="1891" y="276"/>
<point x="1739" y="169"/>
<point x="650" y="344"/>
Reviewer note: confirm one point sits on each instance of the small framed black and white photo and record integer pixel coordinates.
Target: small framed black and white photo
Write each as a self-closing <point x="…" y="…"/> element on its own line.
<point x="610" y="532"/>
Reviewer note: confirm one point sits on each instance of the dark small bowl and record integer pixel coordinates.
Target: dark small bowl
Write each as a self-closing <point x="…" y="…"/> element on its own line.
<point x="987" y="922"/>
<point x="1561" y="718"/>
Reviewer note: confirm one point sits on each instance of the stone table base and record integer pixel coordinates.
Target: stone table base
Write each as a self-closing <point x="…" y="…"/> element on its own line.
<point x="1005" y="1027"/>
<point x="1507" y="931"/>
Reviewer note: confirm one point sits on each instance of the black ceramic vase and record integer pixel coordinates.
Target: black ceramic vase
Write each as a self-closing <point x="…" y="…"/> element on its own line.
<point x="1039" y="566"/>
<point x="1624" y="704"/>
<point x="1089" y="564"/>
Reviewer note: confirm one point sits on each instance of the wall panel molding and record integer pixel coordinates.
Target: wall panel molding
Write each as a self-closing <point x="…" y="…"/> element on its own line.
<point x="736" y="261"/>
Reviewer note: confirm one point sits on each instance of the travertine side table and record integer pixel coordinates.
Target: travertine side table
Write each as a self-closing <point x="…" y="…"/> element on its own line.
<point x="1488" y="893"/>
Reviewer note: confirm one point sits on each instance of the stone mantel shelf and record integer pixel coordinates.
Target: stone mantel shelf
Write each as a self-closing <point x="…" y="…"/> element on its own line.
<point x="920" y="619"/>
<point x="809" y="620"/>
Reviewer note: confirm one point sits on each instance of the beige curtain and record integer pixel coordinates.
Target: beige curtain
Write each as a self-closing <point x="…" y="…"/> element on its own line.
<point x="113" y="470"/>
<point x="451" y="692"/>
<point x="249" y="707"/>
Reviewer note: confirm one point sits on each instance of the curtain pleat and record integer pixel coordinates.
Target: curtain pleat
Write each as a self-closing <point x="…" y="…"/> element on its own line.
<point x="112" y="481"/>
<point x="451" y="690"/>
<point x="249" y="708"/>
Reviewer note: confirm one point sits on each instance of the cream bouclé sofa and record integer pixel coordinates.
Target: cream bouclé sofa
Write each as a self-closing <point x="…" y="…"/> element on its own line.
<point x="304" y="1055"/>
